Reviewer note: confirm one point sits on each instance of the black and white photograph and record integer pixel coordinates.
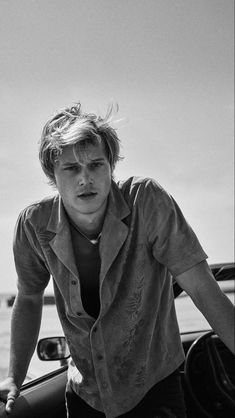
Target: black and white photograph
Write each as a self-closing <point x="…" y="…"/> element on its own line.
<point x="117" y="209"/>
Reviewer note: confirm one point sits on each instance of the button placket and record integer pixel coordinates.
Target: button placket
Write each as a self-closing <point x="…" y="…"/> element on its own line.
<point x="100" y="367"/>
<point x="75" y="296"/>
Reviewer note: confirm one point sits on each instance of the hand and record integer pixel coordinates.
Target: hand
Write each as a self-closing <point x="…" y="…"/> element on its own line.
<point x="8" y="393"/>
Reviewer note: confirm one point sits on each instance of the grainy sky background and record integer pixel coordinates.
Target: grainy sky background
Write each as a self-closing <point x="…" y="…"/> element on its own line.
<point x="169" y="65"/>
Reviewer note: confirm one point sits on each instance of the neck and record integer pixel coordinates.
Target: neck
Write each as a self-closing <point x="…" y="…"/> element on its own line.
<point x="90" y="224"/>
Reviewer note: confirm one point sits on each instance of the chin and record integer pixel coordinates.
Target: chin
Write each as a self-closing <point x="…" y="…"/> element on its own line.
<point x="89" y="210"/>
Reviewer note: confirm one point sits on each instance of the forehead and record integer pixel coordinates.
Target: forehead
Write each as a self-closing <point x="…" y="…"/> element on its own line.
<point x="83" y="154"/>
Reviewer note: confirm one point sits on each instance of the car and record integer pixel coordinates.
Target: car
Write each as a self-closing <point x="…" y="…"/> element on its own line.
<point x="208" y="372"/>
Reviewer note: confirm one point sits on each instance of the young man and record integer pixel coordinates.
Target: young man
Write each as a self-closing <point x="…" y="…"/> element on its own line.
<point x="111" y="250"/>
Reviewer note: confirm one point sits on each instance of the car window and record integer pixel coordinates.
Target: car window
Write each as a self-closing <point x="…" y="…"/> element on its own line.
<point x="189" y="317"/>
<point x="50" y="327"/>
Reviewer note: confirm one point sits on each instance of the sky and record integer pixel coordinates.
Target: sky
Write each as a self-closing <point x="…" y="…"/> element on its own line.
<point x="169" y="66"/>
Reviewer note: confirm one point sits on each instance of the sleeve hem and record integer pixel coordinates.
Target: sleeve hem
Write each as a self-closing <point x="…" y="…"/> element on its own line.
<point x="190" y="261"/>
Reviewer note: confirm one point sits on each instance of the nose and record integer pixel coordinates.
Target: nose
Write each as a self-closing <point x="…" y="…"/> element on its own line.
<point x="85" y="177"/>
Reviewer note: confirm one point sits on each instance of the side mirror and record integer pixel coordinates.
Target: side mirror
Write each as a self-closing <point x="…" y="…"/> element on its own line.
<point x="54" y="348"/>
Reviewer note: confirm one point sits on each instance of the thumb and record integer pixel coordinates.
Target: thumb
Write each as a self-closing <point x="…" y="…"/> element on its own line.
<point x="11" y="397"/>
<point x="9" y="405"/>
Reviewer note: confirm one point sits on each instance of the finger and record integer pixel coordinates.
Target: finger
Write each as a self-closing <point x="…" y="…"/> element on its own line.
<point x="10" y="404"/>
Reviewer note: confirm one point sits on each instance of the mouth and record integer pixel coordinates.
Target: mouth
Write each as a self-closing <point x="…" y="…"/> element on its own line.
<point x="87" y="195"/>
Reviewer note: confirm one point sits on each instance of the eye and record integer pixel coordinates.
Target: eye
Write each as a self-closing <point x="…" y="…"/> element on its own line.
<point x="96" y="165"/>
<point x="72" y="168"/>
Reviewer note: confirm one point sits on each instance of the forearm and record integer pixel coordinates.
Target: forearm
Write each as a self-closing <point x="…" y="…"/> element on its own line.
<point x="205" y="292"/>
<point x="25" y="325"/>
<point x="219" y="312"/>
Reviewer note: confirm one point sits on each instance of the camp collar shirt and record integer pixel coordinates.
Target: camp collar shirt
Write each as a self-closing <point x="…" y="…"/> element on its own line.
<point x="134" y="343"/>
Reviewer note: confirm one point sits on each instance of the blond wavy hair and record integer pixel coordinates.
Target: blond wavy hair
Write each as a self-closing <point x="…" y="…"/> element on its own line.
<point x="72" y="127"/>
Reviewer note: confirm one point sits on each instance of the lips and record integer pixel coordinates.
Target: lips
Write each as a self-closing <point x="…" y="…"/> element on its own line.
<point x="87" y="195"/>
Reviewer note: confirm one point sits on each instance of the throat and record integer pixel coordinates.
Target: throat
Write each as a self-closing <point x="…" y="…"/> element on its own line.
<point x="88" y="224"/>
<point x="91" y="229"/>
<point x="93" y="238"/>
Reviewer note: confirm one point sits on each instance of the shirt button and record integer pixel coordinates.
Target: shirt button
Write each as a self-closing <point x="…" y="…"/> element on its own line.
<point x="79" y="313"/>
<point x="73" y="282"/>
<point x="104" y="385"/>
<point x="95" y="329"/>
<point x="99" y="357"/>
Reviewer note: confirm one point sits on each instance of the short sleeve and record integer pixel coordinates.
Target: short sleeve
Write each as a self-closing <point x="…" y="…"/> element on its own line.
<point x="33" y="276"/>
<point x="173" y="242"/>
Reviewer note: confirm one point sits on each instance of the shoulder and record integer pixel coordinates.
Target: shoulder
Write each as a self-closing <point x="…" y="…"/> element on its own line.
<point x="38" y="212"/>
<point x="148" y="196"/>
<point x="139" y="187"/>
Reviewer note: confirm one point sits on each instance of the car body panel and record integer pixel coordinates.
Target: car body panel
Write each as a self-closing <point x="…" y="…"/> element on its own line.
<point x="43" y="397"/>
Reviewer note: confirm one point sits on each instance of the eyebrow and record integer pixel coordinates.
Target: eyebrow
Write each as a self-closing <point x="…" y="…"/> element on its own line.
<point x="74" y="163"/>
<point x="68" y="164"/>
<point x="97" y="159"/>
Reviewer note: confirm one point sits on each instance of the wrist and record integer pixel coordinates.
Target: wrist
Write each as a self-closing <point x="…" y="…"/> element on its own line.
<point x="14" y="380"/>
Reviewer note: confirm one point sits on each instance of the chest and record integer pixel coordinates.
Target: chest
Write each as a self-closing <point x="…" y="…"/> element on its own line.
<point x="87" y="259"/>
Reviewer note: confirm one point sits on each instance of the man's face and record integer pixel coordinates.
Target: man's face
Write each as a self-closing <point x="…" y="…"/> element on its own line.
<point x="84" y="188"/>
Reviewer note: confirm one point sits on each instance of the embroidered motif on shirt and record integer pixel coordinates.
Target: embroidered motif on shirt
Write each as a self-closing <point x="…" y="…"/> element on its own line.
<point x="140" y="376"/>
<point x="134" y="301"/>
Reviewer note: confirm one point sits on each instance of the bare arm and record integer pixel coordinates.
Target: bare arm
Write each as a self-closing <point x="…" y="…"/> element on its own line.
<point x="200" y="284"/>
<point x="25" y="325"/>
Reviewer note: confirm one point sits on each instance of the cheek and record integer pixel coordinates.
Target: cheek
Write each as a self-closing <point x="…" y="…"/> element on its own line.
<point x="104" y="183"/>
<point x="62" y="185"/>
<point x="108" y="185"/>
